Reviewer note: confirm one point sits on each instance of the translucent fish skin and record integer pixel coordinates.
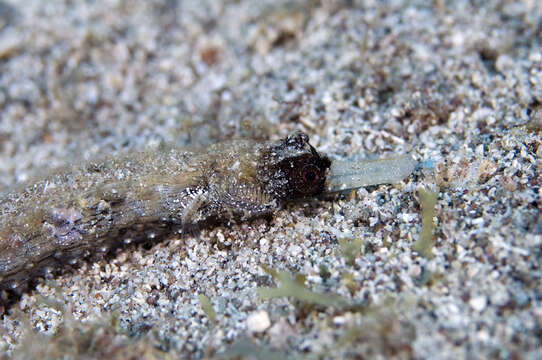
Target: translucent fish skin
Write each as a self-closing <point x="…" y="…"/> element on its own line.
<point x="88" y="210"/>
<point x="348" y="175"/>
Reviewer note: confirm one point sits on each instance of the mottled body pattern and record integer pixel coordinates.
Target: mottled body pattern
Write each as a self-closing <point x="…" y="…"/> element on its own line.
<point x="93" y="208"/>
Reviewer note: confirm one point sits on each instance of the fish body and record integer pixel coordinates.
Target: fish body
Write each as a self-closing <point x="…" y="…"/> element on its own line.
<point x="88" y="210"/>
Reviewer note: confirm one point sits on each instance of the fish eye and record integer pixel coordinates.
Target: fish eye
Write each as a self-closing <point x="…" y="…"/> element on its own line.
<point x="302" y="176"/>
<point x="310" y="174"/>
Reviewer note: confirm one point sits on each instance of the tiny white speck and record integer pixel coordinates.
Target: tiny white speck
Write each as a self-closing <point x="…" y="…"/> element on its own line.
<point x="478" y="303"/>
<point x="258" y="322"/>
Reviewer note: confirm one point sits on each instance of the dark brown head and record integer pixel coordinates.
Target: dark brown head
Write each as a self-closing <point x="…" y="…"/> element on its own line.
<point x="291" y="168"/>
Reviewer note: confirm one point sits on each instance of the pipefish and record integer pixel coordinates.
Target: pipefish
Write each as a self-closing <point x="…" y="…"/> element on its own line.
<point x="91" y="209"/>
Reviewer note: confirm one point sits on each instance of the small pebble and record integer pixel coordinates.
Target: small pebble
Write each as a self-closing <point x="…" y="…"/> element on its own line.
<point x="478" y="303"/>
<point x="258" y="322"/>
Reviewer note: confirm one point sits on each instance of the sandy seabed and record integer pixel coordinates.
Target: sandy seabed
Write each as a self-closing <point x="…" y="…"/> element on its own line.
<point x="457" y="84"/>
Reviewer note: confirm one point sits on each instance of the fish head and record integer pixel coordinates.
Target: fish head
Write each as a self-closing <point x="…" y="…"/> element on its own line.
<point x="292" y="168"/>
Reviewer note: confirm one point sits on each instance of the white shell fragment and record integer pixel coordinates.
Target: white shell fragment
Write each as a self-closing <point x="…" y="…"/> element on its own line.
<point x="258" y="322"/>
<point x="348" y="175"/>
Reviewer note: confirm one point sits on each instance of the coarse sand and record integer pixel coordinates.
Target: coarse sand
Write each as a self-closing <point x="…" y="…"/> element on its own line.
<point x="457" y="84"/>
